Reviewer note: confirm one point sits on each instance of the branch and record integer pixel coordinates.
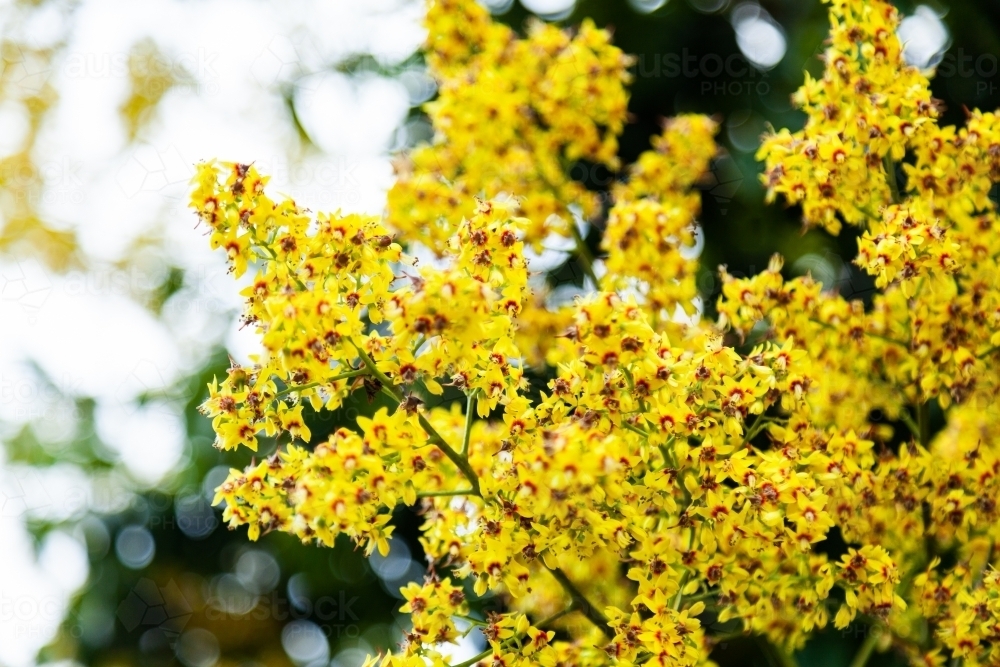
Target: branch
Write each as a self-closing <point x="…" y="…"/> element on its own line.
<point x="336" y="378"/>
<point x="445" y="493"/>
<point x="924" y="423"/>
<point x="890" y="172"/>
<point x="755" y="430"/>
<point x="583" y="254"/>
<point x="580" y="601"/>
<point x="489" y="651"/>
<point x="476" y="658"/>
<point x="879" y="336"/>
<point x="867" y="647"/>
<point x="905" y="417"/>
<point x="470" y="416"/>
<point x="432" y="435"/>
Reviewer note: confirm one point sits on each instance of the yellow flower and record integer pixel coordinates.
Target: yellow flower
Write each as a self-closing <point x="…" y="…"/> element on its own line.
<point x="600" y="458"/>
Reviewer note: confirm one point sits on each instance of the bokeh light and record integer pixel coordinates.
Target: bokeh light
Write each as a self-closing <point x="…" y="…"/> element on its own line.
<point x="924" y="36"/>
<point x="759" y="37"/>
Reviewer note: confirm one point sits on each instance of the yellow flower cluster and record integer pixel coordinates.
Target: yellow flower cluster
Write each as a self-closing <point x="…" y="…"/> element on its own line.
<point x="865" y="113"/>
<point x="640" y="449"/>
<point x="908" y="244"/>
<point x="929" y="340"/>
<point x="510" y="113"/>
<point x="653" y="219"/>
<point x="656" y="484"/>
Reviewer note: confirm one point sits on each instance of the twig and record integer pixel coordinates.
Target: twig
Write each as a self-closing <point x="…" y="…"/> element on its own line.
<point x="775" y="655"/>
<point x="580" y="601"/>
<point x="905" y="417"/>
<point x="861" y="657"/>
<point x="489" y="651"/>
<point x="433" y="436"/>
<point x="924" y="423"/>
<point x="445" y="493"/>
<point x="470" y="416"/>
<point x="684" y="577"/>
<point x="887" y="339"/>
<point x="336" y="378"/>
<point x="890" y="171"/>
<point x="583" y="254"/>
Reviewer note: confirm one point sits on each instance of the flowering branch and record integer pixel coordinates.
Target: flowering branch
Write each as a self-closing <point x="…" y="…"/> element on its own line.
<point x="434" y="437"/>
<point x="489" y="651"/>
<point x="580" y="601"/>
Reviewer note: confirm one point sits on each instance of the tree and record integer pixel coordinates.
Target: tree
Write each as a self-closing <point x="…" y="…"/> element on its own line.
<point x="630" y="480"/>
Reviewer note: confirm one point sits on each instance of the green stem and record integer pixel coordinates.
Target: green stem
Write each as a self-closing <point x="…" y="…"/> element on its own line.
<point x="460" y="461"/>
<point x="988" y="352"/>
<point x="784" y="657"/>
<point x="890" y="177"/>
<point x="755" y="430"/>
<point x="302" y="387"/>
<point x="473" y="621"/>
<point x="684" y="577"/>
<point x="432" y="435"/>
<point x="905" y="417"/>
<point x="634" y="429"/>
<point x="668" y="457"/>
<point x="727" y="637"/>
<point x="702" y="596"/>
<point x="887" y="339"/>
<point x="583" y="254"/>
<point x="556" y="616"/>
<point x="924" y="423"/>
<point x="445" y="493"/>
<point x="582" y="251"/>
<point x="336" y="378"/>
<point x="628" y="378"/>
<point x="470" y="416"/>
<point x="580" y="601"/>
<point x="776" y="655"/>
<point x="978" y="581"/>
<point x="476" y="658"/>
<point x="489" y="651"/>
<point x="865" y="652"/>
